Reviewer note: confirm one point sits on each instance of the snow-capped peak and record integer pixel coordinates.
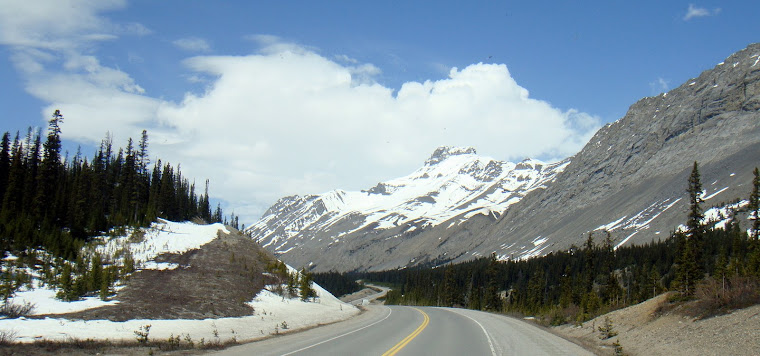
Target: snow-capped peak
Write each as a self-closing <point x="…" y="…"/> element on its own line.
<point x="442" y="153"/>
<point x="453" y="182"/>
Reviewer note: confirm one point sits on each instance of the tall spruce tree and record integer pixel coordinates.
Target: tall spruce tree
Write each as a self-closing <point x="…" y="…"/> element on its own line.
<point x="753" y="264"/>
<point x="754" y="204"/>
<point x="50" y="172"/>
<point x="5" y="162"/>
<point x="690" y="263"/>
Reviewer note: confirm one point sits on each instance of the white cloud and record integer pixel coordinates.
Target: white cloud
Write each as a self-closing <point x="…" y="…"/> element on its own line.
<point x="193" y="44"/>
<point x="287" y="120"/>
<point x="694" y="11"/>
<point x="659" y="86"/>
<point x="304" y="125"/>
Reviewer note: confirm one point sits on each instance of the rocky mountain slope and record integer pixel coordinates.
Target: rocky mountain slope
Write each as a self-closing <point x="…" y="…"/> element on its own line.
<point x="455" y="184"/>
<point x="629" y="179"/>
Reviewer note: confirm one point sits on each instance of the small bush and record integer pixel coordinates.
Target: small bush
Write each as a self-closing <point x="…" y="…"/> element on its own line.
<point x="7" y="337"/>
<point x="607" y="329"/>
<point x="13" y="310"/>
<point x="142" y="334"/>
<point x="716" y="297"/>
<point x="618" y="348"/>
<point x="172" y="343"/>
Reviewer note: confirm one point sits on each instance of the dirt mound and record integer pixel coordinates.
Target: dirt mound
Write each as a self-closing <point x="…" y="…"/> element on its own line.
<point x="643" y="329"/>
<point x="214" y="281"/>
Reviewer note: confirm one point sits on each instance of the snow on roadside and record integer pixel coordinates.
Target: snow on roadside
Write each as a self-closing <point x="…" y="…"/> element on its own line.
<point x="270" y="311"/>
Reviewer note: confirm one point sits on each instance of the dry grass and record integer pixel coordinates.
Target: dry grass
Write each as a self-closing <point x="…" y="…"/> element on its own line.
<point x="97" y="347"/>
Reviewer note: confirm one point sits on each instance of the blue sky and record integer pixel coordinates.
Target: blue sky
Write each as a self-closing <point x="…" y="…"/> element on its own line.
<point x="275" y="98"/>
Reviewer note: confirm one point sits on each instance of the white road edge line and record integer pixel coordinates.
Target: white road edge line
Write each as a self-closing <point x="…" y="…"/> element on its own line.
<point x="488" y="337"/>
<point x="340" y="336"/>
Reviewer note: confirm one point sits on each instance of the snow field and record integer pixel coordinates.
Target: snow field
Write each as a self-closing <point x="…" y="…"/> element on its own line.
<point x="270" y="310"/>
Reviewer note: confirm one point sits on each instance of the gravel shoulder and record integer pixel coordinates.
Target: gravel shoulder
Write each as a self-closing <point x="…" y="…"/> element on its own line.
<point x="644" y="330"/>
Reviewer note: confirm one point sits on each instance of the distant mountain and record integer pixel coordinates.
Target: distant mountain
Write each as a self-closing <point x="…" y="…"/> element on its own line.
<point x="453" y="185"/>
<point x="629" y="179"/>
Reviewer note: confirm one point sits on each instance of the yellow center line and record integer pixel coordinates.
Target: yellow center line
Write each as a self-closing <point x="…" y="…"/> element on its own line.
<point x="411" y="336"/>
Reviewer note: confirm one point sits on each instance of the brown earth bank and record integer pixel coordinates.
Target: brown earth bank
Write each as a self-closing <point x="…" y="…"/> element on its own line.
<point x="214" y="281"/>
<point x="659" y="327"/>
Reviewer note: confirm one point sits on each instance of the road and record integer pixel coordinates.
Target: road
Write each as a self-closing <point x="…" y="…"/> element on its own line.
<point x="401" y="330"/>
<point x="380" y="292"/>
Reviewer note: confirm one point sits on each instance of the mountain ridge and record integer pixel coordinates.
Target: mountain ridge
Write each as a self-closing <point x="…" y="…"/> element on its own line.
<point x="453" y="182"/>
<point x="629" y="179"/>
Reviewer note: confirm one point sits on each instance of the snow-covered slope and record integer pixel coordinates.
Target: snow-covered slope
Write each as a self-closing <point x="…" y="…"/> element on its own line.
<point x="454" y="184"/>
<point x="269" y="313"/>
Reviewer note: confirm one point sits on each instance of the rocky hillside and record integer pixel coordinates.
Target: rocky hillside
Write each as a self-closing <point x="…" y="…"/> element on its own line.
<point x="631" y="176"/>
<point x="629" y="179"/>
<point x="347" y="228"/>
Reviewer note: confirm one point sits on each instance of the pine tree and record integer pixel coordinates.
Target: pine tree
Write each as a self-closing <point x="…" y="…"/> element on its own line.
<point x="754" y="205"/>
<point x="5" y="162"/>
<point x="690" y="263"/>
<point x="14" y="192"/>
<point x="50" y="172"/>
<point x="492" y="298"/>
<point x="66" y="284"/>
<point x="753" y="263"/>
<point x="307" y="291"/>
<point x="292" y="284"/>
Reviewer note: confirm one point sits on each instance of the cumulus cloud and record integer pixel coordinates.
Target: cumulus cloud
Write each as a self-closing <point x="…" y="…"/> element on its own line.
<point x="694" y="11"/>
<point x="288" y="120"/>
<point x="47" y="39"/>
<point x="295" y="122"/>
<point x="193" y="44"/>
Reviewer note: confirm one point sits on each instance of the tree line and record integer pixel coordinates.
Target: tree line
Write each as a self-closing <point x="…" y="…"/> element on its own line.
<point x="702" y="261"/>
<point x="57" y="204"/>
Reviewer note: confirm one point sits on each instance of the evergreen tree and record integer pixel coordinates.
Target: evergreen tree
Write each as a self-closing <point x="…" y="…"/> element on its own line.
<point x="492" y="299"/>
<point x="5" y="162"/>
<point x="754" y="204"/>
<point x="307" y="292"/>
<point x="690" y="263"/>
<point x="50" y="172"/>
<point x="753" y="263"/>
<point x="292" y="284"/>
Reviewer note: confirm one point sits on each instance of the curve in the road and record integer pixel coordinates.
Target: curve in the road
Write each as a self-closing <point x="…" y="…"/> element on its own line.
<point x="488" y="337"/>
<point x="421" y="331"/>
<point x="390" y="311"/>
<point x="395" y="349"/>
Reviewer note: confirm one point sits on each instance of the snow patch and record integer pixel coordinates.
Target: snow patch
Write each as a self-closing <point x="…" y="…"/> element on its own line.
<point x="714" y="194"/>
<point x="44" y="302"/>
<point x="270" y="312"/>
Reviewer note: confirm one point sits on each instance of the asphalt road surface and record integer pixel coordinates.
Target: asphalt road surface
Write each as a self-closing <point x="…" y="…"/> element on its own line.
<point x="400" y="330"/>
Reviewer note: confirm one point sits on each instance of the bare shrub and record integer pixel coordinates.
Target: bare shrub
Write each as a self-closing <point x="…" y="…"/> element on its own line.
<point x="13" y="310"/>
<point x="716" y="298"/>
<point x="7" y="337"/>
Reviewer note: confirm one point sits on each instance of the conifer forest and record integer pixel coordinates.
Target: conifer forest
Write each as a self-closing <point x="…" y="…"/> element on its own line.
<point x="57" y="203"/>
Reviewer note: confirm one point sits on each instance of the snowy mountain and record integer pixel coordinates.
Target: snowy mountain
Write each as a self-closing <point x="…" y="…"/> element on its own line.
<point x="629" y="179"/>
<point x="453" y="185"/>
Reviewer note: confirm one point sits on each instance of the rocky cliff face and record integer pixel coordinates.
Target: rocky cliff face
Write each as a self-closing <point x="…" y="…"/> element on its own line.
<point x="343" y="230"/>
